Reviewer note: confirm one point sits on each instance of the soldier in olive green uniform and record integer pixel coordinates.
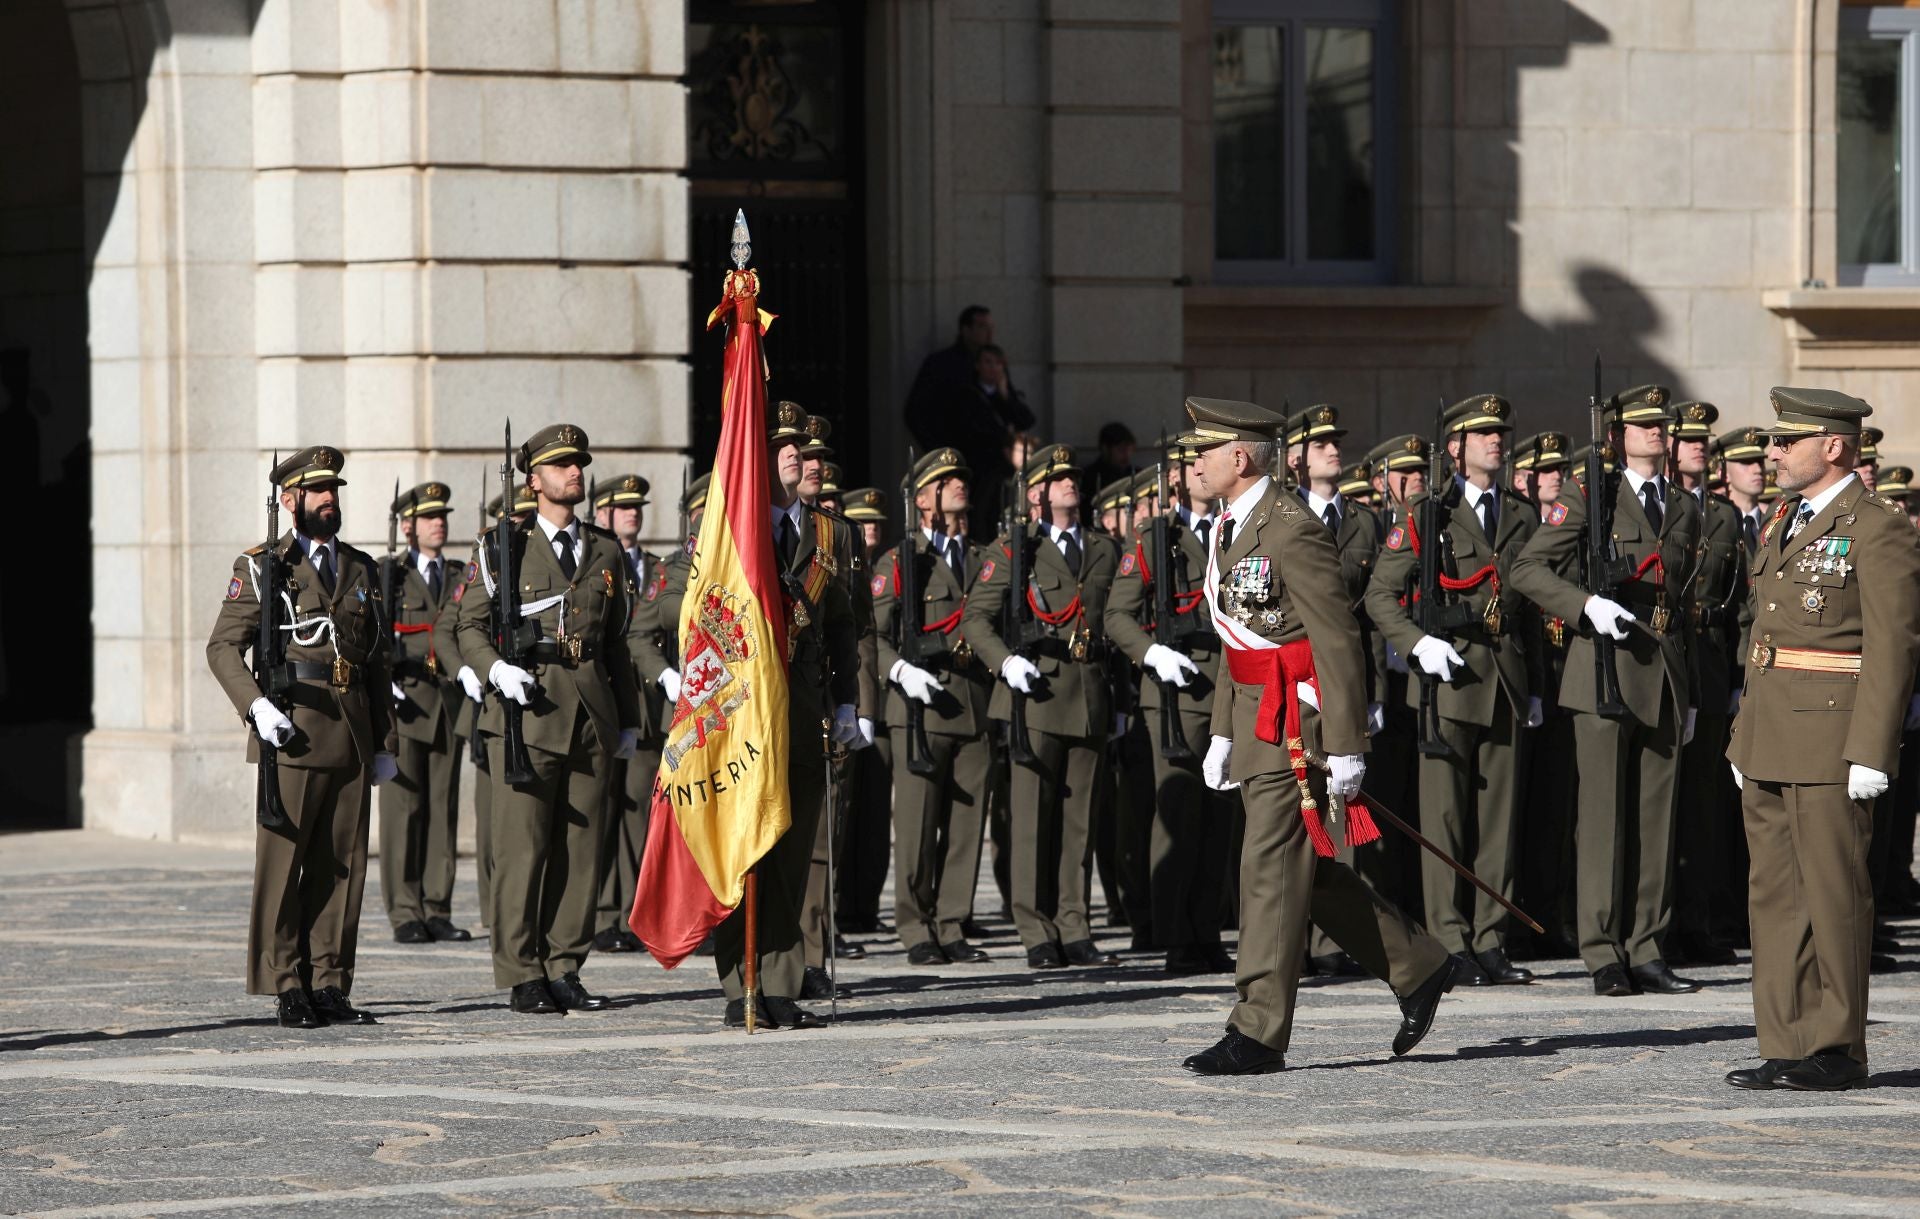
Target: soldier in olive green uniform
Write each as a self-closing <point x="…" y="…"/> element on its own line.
<point x="1629" y="763"/>
<point x="1836" y="637"/>
<point x="574" y="683"/>
<point x="1482" y="678"/>
<point x="939" y="811"/>
<point x="656" y="647"/>
<point x="866" y="848"/>
<point x="1279" y="602"/>
<point x="1716" y="610"/>
<point x="1191" y="823"/>
<point x="1061" y="677"/>
<point x="1122" y="818"/>
<point x="630" y="799"/>
<point x="333" y="728"/>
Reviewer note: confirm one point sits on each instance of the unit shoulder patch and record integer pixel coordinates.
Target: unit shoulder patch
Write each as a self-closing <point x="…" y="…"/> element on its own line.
<point x="1127" y="564"/>
<point x="233" y="589"/>
<point x="879" y="585"/>
<point x="1557" y="515"/>
<point x="986" y="570"/>
<point x="1396" y="537"/>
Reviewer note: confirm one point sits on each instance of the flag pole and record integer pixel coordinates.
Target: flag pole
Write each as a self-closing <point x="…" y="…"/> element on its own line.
<point x="750" y="967"/>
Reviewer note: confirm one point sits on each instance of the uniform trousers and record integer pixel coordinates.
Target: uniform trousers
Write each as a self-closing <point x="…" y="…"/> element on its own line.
<point x="546" y="859"/>
<point x="308" y="877"/>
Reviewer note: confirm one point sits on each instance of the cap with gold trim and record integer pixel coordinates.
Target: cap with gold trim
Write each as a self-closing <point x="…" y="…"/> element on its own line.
<point x="1744" y="444"/>
<point x="1894" y="481"/>
<point x="1356" y="481"/>
<point x="864" y="504"/>
<point x="1870" y="438"/>
<point x="788" y="423"/>
<point x="938" y="464"/>
<point x="1320" y="421"/>
<point x="1116" y="494"/>
<point x="523" y="501"/>
<point x="1643" y="406"/>
<point x="1405" y="452"/>
<point x="1578" y="459"/>
<point x="1813" y="412"/>
<point x="1048" y="461"/>
<point x="818" y="428"/>
<point x="310" y="469"/>
<point x="557" y="442"/>
<point x="625" y="491"/>
<point x="427" y="499"/>
<point x="1146" y="485"/>
<point x="1541" y="451"/>
<point x="830" y="478"/>
<point x="1694" y="420"/>
<point x="1217" y="421"/>
<point x="1479" y="413"/>
<point x="694" y="497"/>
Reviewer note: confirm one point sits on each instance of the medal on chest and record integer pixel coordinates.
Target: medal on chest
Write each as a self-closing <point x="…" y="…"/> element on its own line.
<point x="1825" y="557"/>
<point x="1246" y="591"/>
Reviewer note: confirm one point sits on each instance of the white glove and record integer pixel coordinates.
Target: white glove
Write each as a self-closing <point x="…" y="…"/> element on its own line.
<point x="1739" y="780"/>
<point x="866" y="733"/>
<point x="1686" y="733"/>
<point x="1733" y="701"/>
<point x="1346" y="771"/>
<point x="914" y="682"/>
<point x="1169" y="665"/>
<point x="670" y="682"/>
<point x="272" y="725"/>
<point x="1214" y="768"/>
<point x="1020" y="673"/>
<point x="513" y="681"/>
<point x="1610" y="618"/>
<point x="629" y="742"/>
<point x="399" y="695"/>
<point x="846" y="728"/>
<point x="1376" y="718"/>
<point x="384" y="768"/>
<point x="1864" y="782"/>
<point x="1536" y="714"/>
<point x="470" y="682"/>
<point x="1437" y="658"/>
<point x="1913" y="714"/>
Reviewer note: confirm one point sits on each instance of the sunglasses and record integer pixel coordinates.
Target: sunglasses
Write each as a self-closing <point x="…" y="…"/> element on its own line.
<point x="1787" y="442"/>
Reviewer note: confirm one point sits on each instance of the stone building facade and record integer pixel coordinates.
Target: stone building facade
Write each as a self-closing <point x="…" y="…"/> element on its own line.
<point x="245" y="225"/>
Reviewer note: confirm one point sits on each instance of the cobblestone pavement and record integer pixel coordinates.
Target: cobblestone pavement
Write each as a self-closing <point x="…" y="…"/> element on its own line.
<point x="137" y="1079"/>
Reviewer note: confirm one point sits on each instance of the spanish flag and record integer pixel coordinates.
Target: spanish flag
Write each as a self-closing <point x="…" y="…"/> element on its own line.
<point x="720" y="799"/>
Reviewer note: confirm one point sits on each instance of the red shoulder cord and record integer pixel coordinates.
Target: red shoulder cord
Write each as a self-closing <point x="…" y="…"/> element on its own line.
<point x="1456" y="584"/>
<point x="1183" y="603"/>
<point x="415" y="628"/>
<point x="946" y="625"/>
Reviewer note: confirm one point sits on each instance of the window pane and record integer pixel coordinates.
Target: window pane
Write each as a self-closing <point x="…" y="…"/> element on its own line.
<point x="1868" y="156"/>
<point x="1340" y="143"/>
<point x="1249" y="125"/>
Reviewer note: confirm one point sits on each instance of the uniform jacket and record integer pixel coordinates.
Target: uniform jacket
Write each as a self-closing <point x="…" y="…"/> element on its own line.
<point x="850" y="560"/>
<point x="446" y="643"/>
<point x="432" y="701"/>
<point x="824" y="672"/>
<point x="655" y="643"/>
<point x="1801" y="727"/>
<point x="1720" y="604"/>
<point x="1649" y="669"/>
<point x="1508" y="660"/>
<point x="965" y="688"/>
<point x="1358" y="541"/>
<point x="1310" y="594"/>
<point x="643" y="626"/>
<point x="595" y="605"/>
<point x="1130" y="617"/>
<point x="1075" y="700"/>
<point x="332" y="730"/>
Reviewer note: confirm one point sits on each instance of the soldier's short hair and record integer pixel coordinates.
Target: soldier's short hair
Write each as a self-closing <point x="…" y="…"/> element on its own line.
<point x="1260" y="454"/>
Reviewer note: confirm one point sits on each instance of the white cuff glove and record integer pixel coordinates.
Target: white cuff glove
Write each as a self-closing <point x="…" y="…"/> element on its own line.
<point x="1610" y="618"/>
<point x="1345" y="773"/>
<point x="629" y="742"/>
<point x="1536" y="713"/>
<point x="1376" y="718"/>
<point x="470" y="682"/>
<point x="1020" y="673"/>
<point x="1733" y="701"/>
<point x="846" y="727"/>
<point x="670" y="682"/>
<point x="866" y="733"/>
<point x="914" y="682"/>
<point x="1437" y="658"/>
<point x="272" y="725"/>
<point x="1169" y="665"/>
<point x="513" y="681"/>
<point x="1864" y="782"/>
<point x="1214" y="768"/>
<point x="384" y="768"/>
<point x="1693" y="718"/>
<point x="1739" y="780"/>
<point x="399" y="695"/>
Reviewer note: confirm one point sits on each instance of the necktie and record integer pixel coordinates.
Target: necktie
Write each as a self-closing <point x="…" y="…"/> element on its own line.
<point x="1330" y="519"/>
<point x="957" y="559"/>
<point x="1226" y="532"/>
<point x="1650" y="500"/>
<point x="323" y="563"/>
<point x="1749" y="533"/>
<point x="639" y="564"/>
<point x="1488" y="521"/>
<point x="563" y="550"/>
<point x="1200" y="530"/>
<point x="789" y="540"/>
<point x="1801" y="518"/>
<point x="1070" y="547"/>
<point x="434" y="585"/>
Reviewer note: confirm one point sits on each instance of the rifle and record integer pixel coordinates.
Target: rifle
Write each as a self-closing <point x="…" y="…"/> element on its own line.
<point x="1022" y="630"/>
<point x="476" y="749"/>
<point x="1605" y="569"/>
<point x="1166" y="633"/>
<point x="512" y="635"/>
<point x="389" y="572"/>
<point x="1434" y="613"/>
<point x="269" y="664"/>
<point x="909" y="623"/>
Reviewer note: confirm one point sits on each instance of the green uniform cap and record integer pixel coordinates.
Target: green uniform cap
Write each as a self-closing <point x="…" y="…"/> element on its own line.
<point x="1146" y="483"/>
<point x="1541" y="451"/>
<point x="1578" y="459"/>
<point x="1744" y="444"/>
<point x="939" y="464"/>
<point x="523" y="501"/>
<point x="789" y="422"/>
<point x="1643" y="405"/>
<point x="830" y="476"/>
<point x="1047" y="461"/>
<point x="1893" y="481"/>
<point x="818" y="428"/>
<point x="556" y="442"/>
<point x="865" y="504"/>
<point x="1320" y="421"/>
<point x="1480" y="413"/>
<point x="1811" y="412"/>
<point x="1217" y="421"/>
<point x="1355" y="480"/>
<point x="1406" y="452"/>
<point x="624" y="491"/>
<point x="694" y="497"/>
<point x="427" y="499"/>
<point x="313" y="469"/>
<point x="1116" y="494"/>
<point x="1694" y="420"/>
<point x="1870" y="438"/>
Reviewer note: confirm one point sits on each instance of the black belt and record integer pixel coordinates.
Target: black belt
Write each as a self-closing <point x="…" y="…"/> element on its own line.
<point x="415" y="669"/>
<point x="553" y="651"/>
<point x="307" y="670"/>
<point x="1059" y="650"/>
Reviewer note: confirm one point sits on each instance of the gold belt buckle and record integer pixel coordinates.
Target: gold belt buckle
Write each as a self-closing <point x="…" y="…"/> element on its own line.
<point x="571" y="645"/>
<point x="1762" y="656"/>
<point x="1077" y="645"/>
<point x="962" y="653"/>
<point x="342" y="674"/>
<point x="433" y="665"/>
<point x="1557" y="632"/>
<point x="1492" y="617"/>
<point x="1662" y="619"/>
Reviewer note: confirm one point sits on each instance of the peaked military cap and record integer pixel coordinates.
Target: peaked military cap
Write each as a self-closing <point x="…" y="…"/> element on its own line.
<point x="830" y="476"/>
<point x="1480" y="413"/>
<point x="625" y="490"/>
<point x="1355" y="480"/>
<point x="938" y="464"/>
<point x="313" y="469"/>
<point x="865" y="504"/>
<point x="1116" y="494"/>
<point x="1694" y="420"/>
<point x="1047" y="461"/>
<point x="523" y="501"/>
<point x="789" y="422"/>
<point x="1146" y="483"/>
<point x="1870" y="438"/>
<point x="1541" y="451"/>
<point x="556" y="442"/>
<point x="1219" y="420"/>
<point x="1578" y="459"/>
<point x="818" y="428"/>
<point x="427" y="499"/>
<point x="694" y="497"/>
<point x="1407" y="452"/>
<point x="1744" y="444"/>
<point x="1643" y="405"/>
<point x="1812" y="412"/>
<point x="1318" y="422"/>
<point x="1893" y="481"/>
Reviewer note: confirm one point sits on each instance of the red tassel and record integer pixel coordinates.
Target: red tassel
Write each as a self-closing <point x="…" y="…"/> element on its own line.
<point x="1360" y="826"/>
<point x="1317" y="833"/>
